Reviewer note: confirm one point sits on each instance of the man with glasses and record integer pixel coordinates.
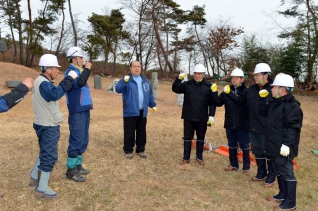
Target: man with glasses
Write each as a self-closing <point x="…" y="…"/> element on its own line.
<point x="256" y="124"/>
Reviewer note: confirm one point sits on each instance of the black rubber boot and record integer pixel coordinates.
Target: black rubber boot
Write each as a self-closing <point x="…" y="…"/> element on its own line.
<point x="199" y="150"/>
<point x="282" y="189"/>
<point x="261" y="168"/>
<point x="187" y="149"/>
<point x="74" y="175"/>
<point x="233" y="158"/>
<point x="270" y="175"/>
<point x="246" y="160"/>
<point x="290" y="198"/>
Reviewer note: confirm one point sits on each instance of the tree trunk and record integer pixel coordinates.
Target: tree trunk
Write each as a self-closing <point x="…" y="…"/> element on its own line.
<point x="19" y="21"/>
<point x="61" y="34"/>
<point x="73" y="24"/>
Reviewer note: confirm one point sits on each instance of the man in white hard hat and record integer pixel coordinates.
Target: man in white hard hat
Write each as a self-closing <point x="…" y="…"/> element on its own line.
<point x="47" y="120"/>
<point x="137" y="97"/>
<point x="17" y="94"/>
<point x="256" y="124"/>
<point x="198" y="110"/>
<point x="235" y="122"/>
<point x="284" y="122"/>
<point x="79" y="104"/>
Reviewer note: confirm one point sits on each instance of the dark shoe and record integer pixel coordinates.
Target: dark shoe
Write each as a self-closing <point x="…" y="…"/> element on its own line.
<point x="33" y="182"/>
<point x="142" y="154"/>
<point x="184" y="162"/>
<point x="271" y="198"/>
<point x="129" y="156"/>
<point x="268" y="185"/>
<point x="230" y="168"/>
<point x="81" y="170"/>
<point x="255" y="179"/>
<point x="278" y="208"/>
<point x="74" y="175"/>
<point x="201" y="162"/>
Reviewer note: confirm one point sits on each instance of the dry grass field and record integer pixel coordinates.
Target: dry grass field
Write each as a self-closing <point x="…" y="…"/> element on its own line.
<point x="156" y="183"/>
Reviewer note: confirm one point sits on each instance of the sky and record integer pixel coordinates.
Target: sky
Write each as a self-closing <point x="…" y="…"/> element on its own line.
<point x="255" y="16"/>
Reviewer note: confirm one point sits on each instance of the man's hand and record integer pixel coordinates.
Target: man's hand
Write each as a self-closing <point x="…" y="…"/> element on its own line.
<point x="263" y="93"/>
<point x="211" y="121"/>
<point x="28" y="82"/>
<point x="126" y="78"/>
<point x="284" y="150"/>
<point x="88" y="65"/>
<point x="214" y="87"/>
<point x="73" y="74"/>
<point x="154" y="109"/>
<point x="182" y="76"/>
<point x="227" y="89"/>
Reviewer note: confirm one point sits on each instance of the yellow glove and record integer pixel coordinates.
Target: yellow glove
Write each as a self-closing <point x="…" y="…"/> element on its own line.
<point x="154" y="109"/>
<point x="126" y="78"/>
<point x="182" y="76"/>
<point x="211" y="121"/>
<point x="227" y="89"/>
<point x="263" y="93"/>
<point x="214" y="87"/>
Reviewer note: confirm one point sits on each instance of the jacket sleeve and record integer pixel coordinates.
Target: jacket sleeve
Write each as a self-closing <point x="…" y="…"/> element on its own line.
<point x="82" y="79"/>
<point x="67" y="83"/>
<point x="120" y="86"/>
<point x="217" y="99"/>
<point x="14" y="97"/>
<point x="293" y="117"/>
<point x="177" y="86"/>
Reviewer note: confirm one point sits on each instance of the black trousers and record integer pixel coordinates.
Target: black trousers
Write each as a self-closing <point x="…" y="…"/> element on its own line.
<point x="135" y="133"/>
<point x="189" y="128"/>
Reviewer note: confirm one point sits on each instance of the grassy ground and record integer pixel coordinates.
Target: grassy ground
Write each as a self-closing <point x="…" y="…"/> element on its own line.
<point x="156" y="183"/>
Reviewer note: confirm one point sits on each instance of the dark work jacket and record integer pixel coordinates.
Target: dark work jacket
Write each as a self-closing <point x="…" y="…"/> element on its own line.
<point x="235" y="113"/>
<point x="284" y="122"/>
<point x="250" y="97"/>
<point x="198" y="103"/>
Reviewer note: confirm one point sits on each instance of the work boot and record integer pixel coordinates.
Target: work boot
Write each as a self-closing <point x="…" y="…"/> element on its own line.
<point x="183" y="162"/>
<point x="270" y="179"/>
<point x="261" y="170"/>
<point x="81" y="170"/>
<point x="142" y="154"/>
<point x="233" y="160"/>
<point x="289" y="202"/>
<point x="34" y="173"/>
<point x="282" y="191"/>
<point x="187" y="149"/>
<point x="74" y="175"/>
<point x="199" y="150"/>
<point x="246" y="160"/>
<point x="42" y="189"/>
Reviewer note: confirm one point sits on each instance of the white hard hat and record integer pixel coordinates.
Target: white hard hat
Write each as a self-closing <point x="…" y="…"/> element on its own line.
<point x="283" y="79"/>
<point x="199" y="68"/>
<point x="48" y="60"/>
<point x="262" y="68"/>
<point x="74" y="51"/>
<point x="237" y="72"/>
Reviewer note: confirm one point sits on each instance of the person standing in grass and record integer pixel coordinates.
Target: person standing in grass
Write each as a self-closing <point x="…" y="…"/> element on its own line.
<point x="256" y="124"/>
<point x="198" y="110"/>
<point x="12" y="98"/>
<point x="79" y="104"/>
<point x="137" y="97"/>
<point x="17" y="94"/>
<point x="235" y="122"/>
<point x="284" y="122"/>
<point x="47" y="120"/>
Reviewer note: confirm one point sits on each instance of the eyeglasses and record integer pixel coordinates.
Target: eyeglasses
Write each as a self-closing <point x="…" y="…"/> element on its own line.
<point x="257" y="74"/>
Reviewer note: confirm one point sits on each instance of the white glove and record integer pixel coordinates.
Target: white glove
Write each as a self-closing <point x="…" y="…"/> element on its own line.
<point x="214" y="87"/>
<point x="284" y="150"/>
<point x="73" y="74"/>
<point x="263" y="93"/>
<point x="211" y="121"/>
<point x="154" y="109"/>
<point x="182" y="76"/>
<point x="227" y="89"/>
<point x="126" y="78"/>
